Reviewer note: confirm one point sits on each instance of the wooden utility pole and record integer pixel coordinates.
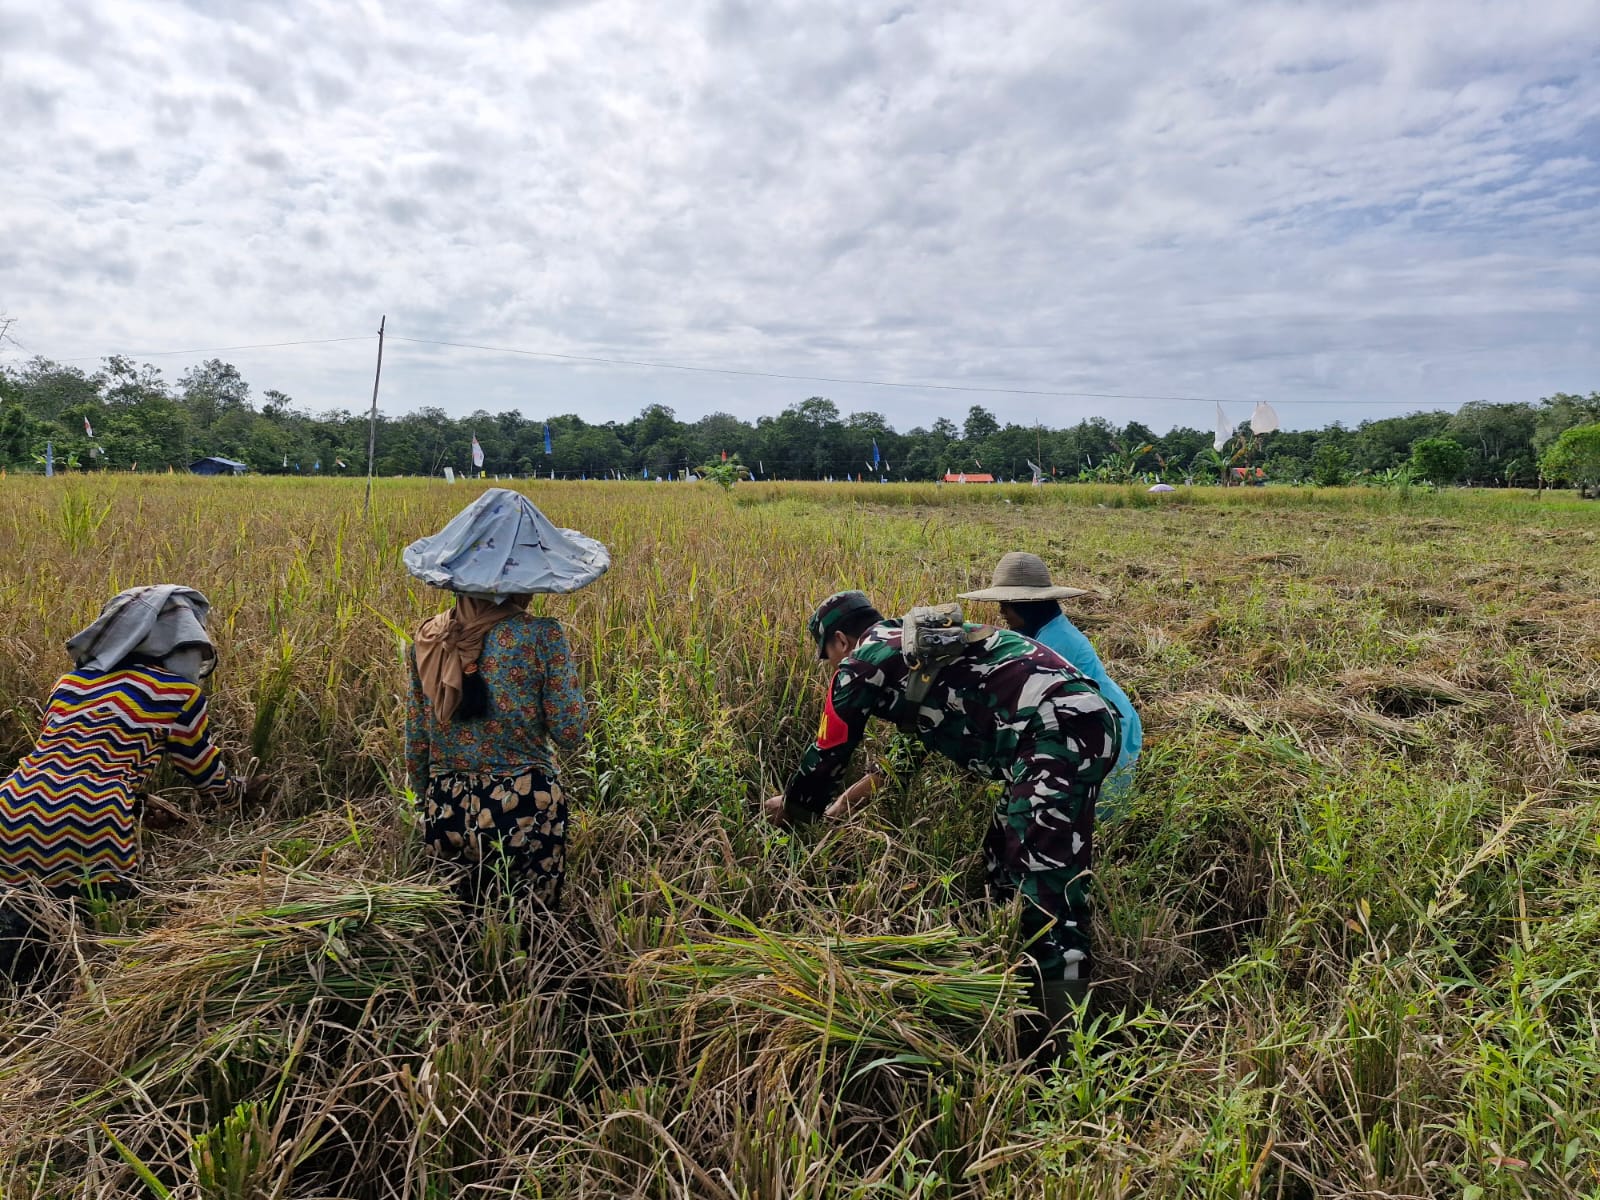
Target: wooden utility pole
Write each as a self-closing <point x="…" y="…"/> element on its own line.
<point x="372" y="418"/>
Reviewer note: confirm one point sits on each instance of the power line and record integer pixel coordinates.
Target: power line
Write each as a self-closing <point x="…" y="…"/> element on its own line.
<point x="884" y="383"/>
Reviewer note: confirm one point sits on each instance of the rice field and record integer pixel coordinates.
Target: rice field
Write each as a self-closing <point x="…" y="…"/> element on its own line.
<point x="1347" y="929"/>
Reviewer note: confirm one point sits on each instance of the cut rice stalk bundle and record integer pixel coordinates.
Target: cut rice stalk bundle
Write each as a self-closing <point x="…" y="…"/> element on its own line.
<point x="1320" y="712"/>
<point x="1582" y="734"/>
<point x="1407" y="694"/>
<point x="922" y="999"/>
<point x="245" y="956"/>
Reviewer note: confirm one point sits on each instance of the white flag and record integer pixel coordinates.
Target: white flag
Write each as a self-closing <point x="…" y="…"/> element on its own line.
<point x="1224" y="430"/>
<point x="1038" y="471"/>
<point x="1263" y="420"/>
<point x="477" y="452"/>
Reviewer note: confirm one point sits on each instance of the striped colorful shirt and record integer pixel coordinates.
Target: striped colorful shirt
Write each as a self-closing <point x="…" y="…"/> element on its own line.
<point x="67" y="811"/>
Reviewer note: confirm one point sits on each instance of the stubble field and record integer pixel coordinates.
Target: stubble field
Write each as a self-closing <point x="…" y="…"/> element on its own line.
<point x="1347" y="929"/>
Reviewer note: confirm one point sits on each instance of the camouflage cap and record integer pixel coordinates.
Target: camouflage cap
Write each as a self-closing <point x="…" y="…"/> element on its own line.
<point x="832" y="613"/>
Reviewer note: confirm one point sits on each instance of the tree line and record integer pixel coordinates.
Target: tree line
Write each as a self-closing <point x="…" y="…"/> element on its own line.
<point x="126" y="416"/>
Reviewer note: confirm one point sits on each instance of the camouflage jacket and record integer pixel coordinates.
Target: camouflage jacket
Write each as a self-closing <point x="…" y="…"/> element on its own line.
<point x="981" y="711"/>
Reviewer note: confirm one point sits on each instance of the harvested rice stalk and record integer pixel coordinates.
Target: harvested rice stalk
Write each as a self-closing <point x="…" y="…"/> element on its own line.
<point x="1405" y="693"/>
<point x="241" y="959"/>
<point x="923" y="999"/>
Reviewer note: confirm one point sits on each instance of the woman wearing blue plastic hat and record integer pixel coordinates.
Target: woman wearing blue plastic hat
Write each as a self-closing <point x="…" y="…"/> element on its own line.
<point x="494" y="695"/>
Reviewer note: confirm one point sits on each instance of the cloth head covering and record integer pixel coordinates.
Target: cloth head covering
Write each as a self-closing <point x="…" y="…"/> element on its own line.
<point x="832" y="613"/>
<point x="449" y="644"/>
<point x="163" y="622"/>
<point x="501" y="545"/>
<point x="1020" y="576"/>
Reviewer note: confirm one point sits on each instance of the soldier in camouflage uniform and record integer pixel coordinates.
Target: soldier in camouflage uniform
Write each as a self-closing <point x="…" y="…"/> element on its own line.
<point x="1009" y="709"/>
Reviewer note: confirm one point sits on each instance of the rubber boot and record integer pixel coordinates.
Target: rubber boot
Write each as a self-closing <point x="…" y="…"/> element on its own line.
<point x="1062" y="998"/>
<point x="1055" y="1001"/>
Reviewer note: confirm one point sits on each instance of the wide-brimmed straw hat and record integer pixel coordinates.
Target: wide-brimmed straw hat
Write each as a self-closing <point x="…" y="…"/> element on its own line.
<point x="501" y="545"/>
<point x="1019" y="576"/>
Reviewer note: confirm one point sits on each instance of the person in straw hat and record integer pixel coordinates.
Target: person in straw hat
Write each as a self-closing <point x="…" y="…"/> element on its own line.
<point x="494" y="695"/>
<point x="1030" y="603"/>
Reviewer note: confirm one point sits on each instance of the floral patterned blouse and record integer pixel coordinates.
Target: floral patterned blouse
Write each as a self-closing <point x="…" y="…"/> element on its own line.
<point x="535" y="708"/>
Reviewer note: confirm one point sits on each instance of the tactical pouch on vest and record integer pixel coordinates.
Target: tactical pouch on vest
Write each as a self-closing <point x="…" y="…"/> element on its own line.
<point x="931" y="638"/>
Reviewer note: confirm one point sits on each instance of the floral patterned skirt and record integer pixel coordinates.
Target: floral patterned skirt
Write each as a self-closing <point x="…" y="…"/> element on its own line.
<point x="499" y="831"/>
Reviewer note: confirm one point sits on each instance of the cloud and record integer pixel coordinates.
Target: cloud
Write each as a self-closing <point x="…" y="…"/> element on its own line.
<point x="1348" y="209"/>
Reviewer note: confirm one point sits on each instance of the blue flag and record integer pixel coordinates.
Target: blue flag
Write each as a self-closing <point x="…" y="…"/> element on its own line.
<point x="547" y="437"/>
<point x="875" y="458"/>
<point x="49" y="458"/>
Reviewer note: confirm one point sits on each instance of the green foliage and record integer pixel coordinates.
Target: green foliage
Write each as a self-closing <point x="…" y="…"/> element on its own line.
<point x="1207" y="466"/>
<point x="1574" y="457"/>
<point x="142" y="421"/>
<point x="1561" y="412"/>
<point x="16" y="434"/>
<point x="980" y="424"/>
<point x="1439" y="460"/>
<point x="1494" y="435"/>
<point x="1402" y="478"/>
<point x="1287" y="468"/>
<point x="1386" y="442"/>
<point x="1330" y="465"/>
<point x="230" y="1161"/>
<point x="1120" y="466"/>
<point x="723" y="474"/>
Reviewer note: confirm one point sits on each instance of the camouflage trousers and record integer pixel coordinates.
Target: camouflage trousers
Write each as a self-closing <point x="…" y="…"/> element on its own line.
<point x="1039" y="843"/>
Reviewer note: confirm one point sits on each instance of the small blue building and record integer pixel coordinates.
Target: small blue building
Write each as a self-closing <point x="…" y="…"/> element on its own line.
<point x="217" y="466"/>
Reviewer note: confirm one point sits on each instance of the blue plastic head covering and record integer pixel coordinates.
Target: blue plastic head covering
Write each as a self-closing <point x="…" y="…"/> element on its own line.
<point x="501" y="545"/>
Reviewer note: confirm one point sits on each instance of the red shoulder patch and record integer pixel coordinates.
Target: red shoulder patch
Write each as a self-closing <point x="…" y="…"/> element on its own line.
<point x="831" y="730"/>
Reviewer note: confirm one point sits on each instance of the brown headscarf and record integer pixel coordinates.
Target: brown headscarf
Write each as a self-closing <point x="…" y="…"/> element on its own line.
<point x="449" y="644"/>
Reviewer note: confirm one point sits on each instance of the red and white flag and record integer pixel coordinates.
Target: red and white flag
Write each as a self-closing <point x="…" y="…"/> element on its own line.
<point x="477" y="452"/>
<point x="88" y="430"/>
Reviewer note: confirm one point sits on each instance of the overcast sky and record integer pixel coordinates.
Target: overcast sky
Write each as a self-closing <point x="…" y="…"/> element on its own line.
<point x="1347" y="209"/>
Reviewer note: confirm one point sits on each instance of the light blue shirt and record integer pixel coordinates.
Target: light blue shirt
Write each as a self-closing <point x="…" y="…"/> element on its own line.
<point x="1062" y="636"/>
